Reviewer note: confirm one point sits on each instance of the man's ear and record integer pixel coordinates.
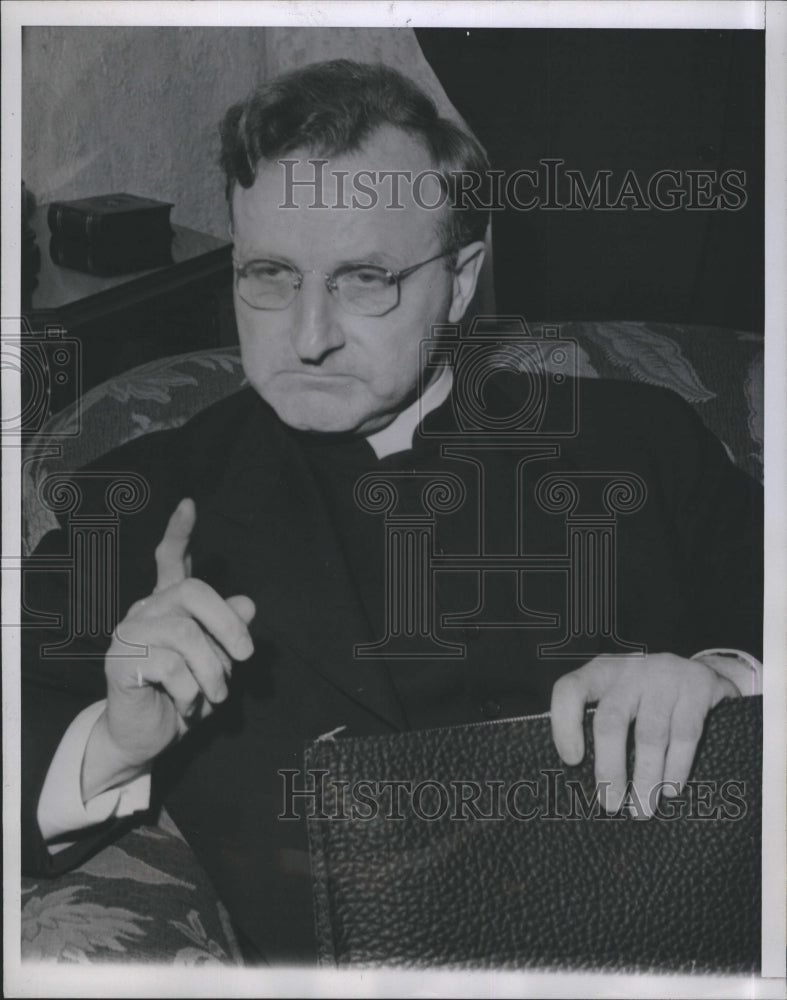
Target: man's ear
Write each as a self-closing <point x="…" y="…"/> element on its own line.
<point x="468" y="266"/>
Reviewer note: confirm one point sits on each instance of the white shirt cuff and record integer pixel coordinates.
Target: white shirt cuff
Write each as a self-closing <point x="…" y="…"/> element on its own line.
<point x="743" y="669"/>
<point x="60" y="808"/>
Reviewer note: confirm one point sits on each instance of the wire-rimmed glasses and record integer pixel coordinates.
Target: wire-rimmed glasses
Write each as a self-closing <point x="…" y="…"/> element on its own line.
<point x="360" y="289"/>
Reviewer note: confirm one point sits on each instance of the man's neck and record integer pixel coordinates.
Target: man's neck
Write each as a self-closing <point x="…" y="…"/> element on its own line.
<point x="398" y="435"/>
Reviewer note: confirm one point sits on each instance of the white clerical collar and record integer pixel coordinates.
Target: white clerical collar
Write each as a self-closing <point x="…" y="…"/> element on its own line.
<point x="398" y="435"/>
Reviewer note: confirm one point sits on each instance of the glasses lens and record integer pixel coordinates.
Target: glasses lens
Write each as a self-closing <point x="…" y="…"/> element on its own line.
<point x="267" y="284"/>
<point x="366" y="291"/>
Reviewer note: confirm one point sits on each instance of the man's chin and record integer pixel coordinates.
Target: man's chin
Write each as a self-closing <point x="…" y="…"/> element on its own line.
<point x="326" y="416"/>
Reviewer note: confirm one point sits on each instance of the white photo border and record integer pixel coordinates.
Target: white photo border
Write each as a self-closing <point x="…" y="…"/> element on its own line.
<point x="27" y="980"/>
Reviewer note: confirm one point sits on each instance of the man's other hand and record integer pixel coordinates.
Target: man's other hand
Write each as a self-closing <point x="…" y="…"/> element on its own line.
<point x="186" y="637"/>
<point x="667" y="697"/>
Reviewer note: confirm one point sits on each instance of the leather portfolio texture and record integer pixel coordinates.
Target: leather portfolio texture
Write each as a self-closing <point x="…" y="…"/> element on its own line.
<point x="476" y="847"/>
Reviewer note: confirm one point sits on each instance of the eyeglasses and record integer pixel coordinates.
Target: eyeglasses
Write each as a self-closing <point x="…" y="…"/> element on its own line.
<point x="360" y="289"/>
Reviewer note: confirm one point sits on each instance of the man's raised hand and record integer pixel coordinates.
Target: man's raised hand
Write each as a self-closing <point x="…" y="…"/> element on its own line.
<point x="667" y="697"/>
<point x="187" y="637"/>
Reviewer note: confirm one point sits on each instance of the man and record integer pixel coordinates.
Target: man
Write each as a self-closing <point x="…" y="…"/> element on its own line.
<point x="267" y="576"/>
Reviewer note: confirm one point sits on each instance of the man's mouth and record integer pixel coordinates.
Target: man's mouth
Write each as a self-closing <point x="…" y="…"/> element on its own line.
<point x="322" y="376"/>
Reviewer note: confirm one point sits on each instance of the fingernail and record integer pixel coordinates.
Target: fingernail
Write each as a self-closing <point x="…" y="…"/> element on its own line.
<point x="611" y="800"/>
<point x="194" y="713"/>
<point x="245" y="648"/>
<point x="571" y="754"/>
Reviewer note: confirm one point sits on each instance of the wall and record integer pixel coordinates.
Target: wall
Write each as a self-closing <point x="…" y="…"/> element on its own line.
<point x="619" y="100"/>
<point x="133" y="109"/>
<point x="136" y="109"/>
<point x="288" y="48"/>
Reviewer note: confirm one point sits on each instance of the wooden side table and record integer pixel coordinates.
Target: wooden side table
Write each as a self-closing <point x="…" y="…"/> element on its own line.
<point x="130" y="319"/>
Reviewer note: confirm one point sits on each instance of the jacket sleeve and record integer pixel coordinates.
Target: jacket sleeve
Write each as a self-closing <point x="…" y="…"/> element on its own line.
<point x="75" y="588"/>
<point x="57" y="684"/>
<point x="718" y="519"/>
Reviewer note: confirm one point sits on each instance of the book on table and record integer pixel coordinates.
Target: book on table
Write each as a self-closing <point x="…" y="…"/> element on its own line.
<point x="115" y="217"/>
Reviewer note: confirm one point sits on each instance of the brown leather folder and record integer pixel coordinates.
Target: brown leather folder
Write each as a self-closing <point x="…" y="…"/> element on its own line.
<point x="476" y="846"/>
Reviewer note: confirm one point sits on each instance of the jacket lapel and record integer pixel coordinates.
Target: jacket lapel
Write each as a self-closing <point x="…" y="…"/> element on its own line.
<point x="267" y="521"/>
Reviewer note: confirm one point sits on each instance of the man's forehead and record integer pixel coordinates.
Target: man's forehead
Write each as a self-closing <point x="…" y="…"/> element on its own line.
<point x="386" y="186"/>
<point x="386" y="149"/>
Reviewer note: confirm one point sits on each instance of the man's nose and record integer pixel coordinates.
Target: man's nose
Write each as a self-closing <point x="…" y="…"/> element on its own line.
<point x="317" y="329"/>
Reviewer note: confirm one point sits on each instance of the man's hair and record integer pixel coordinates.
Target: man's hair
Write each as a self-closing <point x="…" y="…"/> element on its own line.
<point x="331" y="108"/>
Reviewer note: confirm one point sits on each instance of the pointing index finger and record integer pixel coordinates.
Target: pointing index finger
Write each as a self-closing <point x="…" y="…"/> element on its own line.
<point x="172" y="561"/>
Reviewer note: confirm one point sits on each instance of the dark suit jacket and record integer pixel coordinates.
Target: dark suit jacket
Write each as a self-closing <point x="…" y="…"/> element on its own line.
<point x="276" y="521"/>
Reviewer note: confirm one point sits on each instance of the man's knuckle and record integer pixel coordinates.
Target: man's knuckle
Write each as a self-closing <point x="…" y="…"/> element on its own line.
<point x="666" y="664"/>
<point x="705" y="675"/>
<point x="194" y="632"/>
<point x="567" y="685"/>
<point x="611" y="715"/>
<point x="688" y="730"/>
<point x="639" y="669"/>
<point x="186" y="629"/>
<point x="162" y="550"/>
<point x="169" y="663"/>
<point x="649" y="730"/>
<point x="123" y="633"/>
<point x="190" y="589"/>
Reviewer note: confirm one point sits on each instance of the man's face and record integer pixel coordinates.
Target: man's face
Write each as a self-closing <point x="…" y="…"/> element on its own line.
<point x="319" y="367"/>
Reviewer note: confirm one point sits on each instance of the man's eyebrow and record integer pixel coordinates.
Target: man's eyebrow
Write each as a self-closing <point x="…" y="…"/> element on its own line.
<point x="376" y="257"/>
<point x="258" y="254"/>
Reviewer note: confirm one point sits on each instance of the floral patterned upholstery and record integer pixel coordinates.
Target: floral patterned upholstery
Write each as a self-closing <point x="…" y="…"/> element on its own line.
<point x="145" y="898"/>
<point x="151" y="397"/>
<point x="718" y="371"/>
